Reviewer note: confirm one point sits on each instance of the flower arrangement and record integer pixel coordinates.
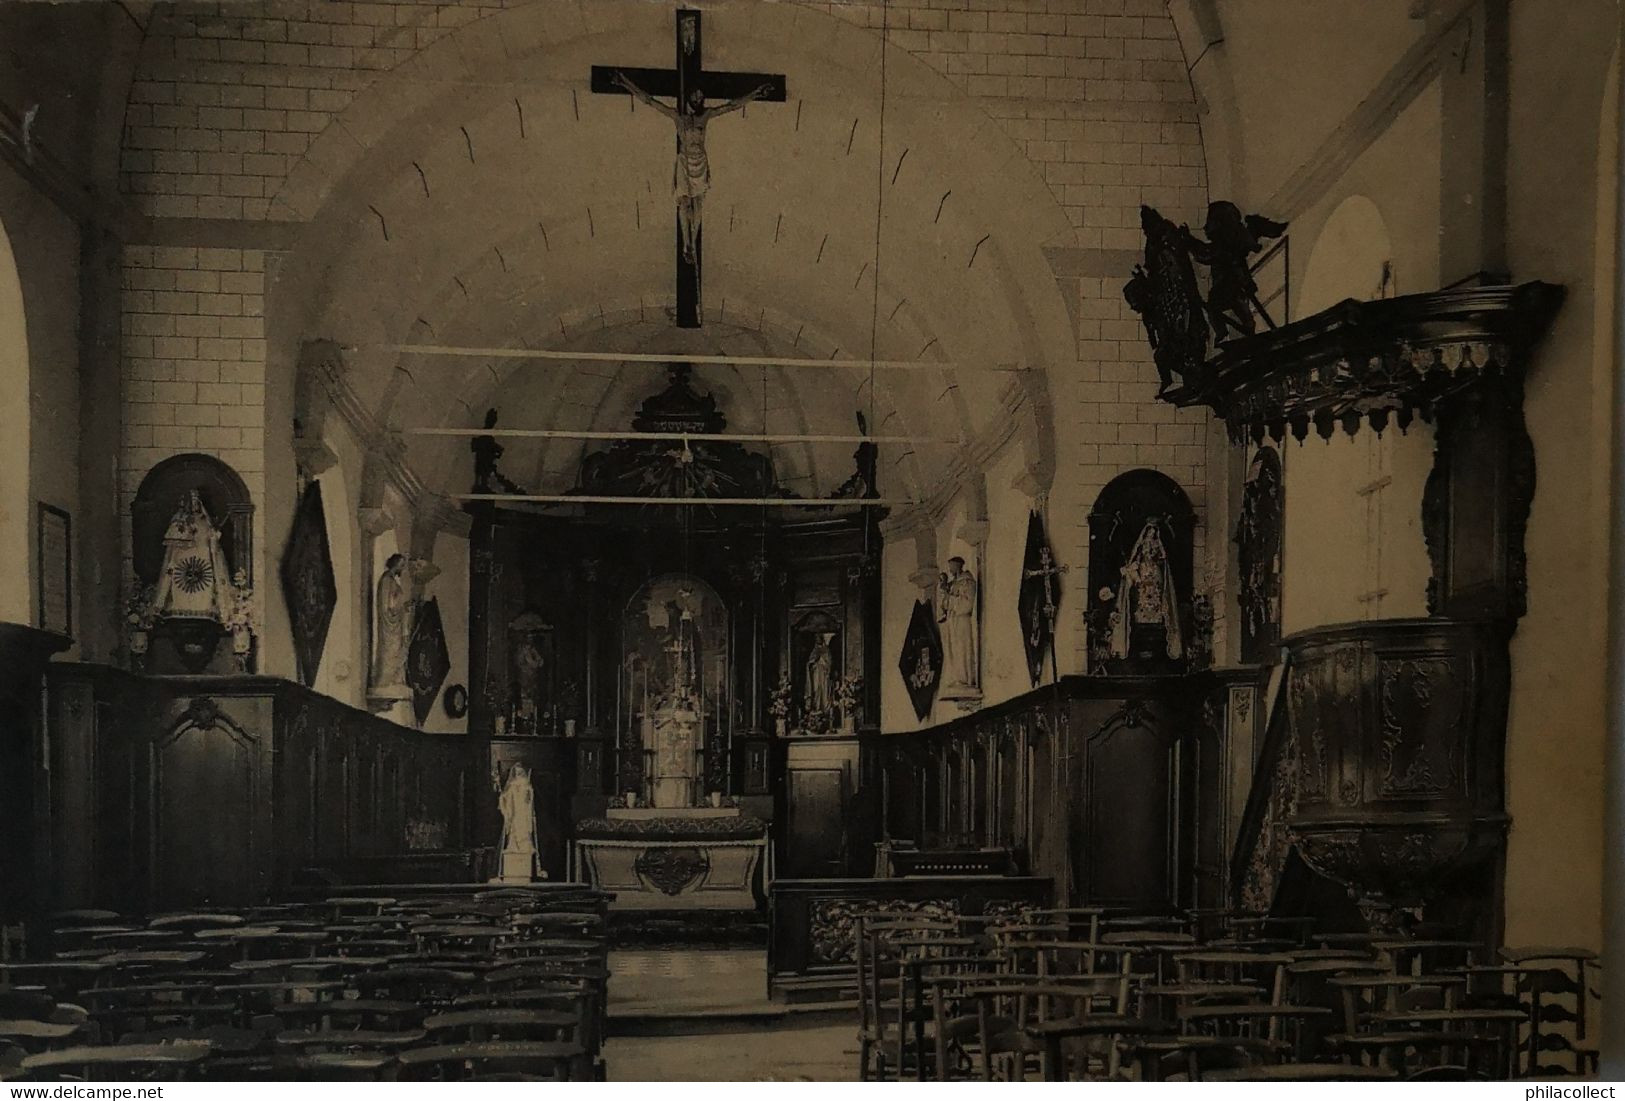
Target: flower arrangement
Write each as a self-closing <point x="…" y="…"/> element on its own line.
<point x="139" y="611"/>
<point x="848" y="691"/>
<point x="779" y="703"/>
<point x="241" y="616"/>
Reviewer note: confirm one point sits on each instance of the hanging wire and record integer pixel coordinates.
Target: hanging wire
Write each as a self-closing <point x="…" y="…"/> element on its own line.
<point x="880" y="206"/>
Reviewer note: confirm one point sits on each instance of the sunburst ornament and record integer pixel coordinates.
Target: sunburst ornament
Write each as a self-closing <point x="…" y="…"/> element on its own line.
<point x="193" y="574"/>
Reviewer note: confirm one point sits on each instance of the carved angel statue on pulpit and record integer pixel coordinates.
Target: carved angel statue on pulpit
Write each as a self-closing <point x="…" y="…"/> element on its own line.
<point x="193" y="580"/>
<point x="1232" y="239"/>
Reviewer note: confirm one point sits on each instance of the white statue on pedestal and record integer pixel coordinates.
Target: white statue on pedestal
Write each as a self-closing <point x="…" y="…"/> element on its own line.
<point x="518" y="806"/>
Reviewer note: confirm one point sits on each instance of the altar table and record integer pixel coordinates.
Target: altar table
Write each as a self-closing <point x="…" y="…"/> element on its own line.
<point x="696" y="858"/>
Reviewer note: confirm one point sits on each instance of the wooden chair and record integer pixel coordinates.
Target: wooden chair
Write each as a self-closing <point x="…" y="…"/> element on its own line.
<point x="351" y="1014"/>
<point x="114" y="1062"/>
<point x="1085" y="1013"/>
<point x="1280" y="1027"/>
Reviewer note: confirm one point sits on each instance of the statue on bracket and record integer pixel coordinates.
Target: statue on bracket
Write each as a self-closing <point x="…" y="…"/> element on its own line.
<point x="956" y="615"/>
<point x="394" y="615"/>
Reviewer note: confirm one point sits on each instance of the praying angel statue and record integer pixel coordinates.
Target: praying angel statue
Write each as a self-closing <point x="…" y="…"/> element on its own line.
<point x="691" y="174"/>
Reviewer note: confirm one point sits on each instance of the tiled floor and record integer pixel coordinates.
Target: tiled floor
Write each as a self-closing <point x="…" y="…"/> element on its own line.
<point x="764" y="1043"/>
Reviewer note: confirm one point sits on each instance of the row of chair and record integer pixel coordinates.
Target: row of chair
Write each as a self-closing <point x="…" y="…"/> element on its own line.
<point x="449" y="984"/>
<point x="1085" y="993"/>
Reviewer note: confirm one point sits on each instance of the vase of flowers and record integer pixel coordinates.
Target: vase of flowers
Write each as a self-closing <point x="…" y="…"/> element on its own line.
<point x="779" y="706"/>
<point x="139" y="617"/>
<point x="241" y="620"/>
<point x="848" y="691"/>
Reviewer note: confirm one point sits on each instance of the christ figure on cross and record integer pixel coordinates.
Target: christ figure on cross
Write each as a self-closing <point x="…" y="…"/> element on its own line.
<point x="691" y="174"/>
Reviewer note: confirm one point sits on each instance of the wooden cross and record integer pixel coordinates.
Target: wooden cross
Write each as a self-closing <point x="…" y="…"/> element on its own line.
<point x="680" y="84"/>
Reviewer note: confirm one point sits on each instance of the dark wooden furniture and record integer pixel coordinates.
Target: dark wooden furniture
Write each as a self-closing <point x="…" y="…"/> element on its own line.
<point x="812" y="923"/>
<point x="293" y="785"/>
<point x="31" y="855"/>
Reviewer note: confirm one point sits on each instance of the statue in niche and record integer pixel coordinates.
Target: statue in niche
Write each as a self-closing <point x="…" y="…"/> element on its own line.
<point x="691" y="174"/>
<point x="194" y="581"/>
<point x="956" y="614"/>
<point x="487" y="478"/>
<point x="517" y="804"/>
<point x="393" y="610"/>
<point x="1147" y="601"/>
<point x="820" y="665"/>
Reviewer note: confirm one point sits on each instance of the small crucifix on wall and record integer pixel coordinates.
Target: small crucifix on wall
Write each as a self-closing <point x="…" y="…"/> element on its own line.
<point x="690" y="85"/>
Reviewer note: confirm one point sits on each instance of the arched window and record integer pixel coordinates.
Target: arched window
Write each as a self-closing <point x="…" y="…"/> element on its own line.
<point x="1140" y="575"/>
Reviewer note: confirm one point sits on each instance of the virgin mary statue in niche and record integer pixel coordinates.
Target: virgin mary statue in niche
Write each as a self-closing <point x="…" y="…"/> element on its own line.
<point x="1147" y="602"/>
<point x="193" y="580"/>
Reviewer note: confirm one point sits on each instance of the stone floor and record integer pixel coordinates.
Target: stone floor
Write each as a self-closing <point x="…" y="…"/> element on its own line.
<point x="822" y="1053"/>
<point x="697" y="1015"/>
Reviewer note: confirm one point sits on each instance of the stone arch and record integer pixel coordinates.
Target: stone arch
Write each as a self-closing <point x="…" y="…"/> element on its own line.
<point x="16" y="599"/>
<point x="350" y="159"/>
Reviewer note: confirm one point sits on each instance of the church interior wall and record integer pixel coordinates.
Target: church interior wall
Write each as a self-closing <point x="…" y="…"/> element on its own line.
<point x="39" y="265"/>
<point x="1373" y="235"/>
<point x="1004" y="672"/>
<point x="1558" y="675"/>
<point x="194" y="371"/>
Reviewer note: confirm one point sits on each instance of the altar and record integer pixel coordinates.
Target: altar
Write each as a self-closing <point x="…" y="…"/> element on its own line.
<point x="687" y="858"/>
<point x="648" y="657"/>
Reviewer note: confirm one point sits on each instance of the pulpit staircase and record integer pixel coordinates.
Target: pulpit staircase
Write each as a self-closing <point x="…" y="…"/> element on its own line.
<point x="1267" y="875"/>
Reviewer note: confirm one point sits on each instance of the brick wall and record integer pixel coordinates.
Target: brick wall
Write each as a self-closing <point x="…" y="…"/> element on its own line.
<point x="194" y="363"/>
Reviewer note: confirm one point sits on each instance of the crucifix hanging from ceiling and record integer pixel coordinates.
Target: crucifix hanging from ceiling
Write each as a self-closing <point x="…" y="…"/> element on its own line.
<point x="690" y="85"/>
